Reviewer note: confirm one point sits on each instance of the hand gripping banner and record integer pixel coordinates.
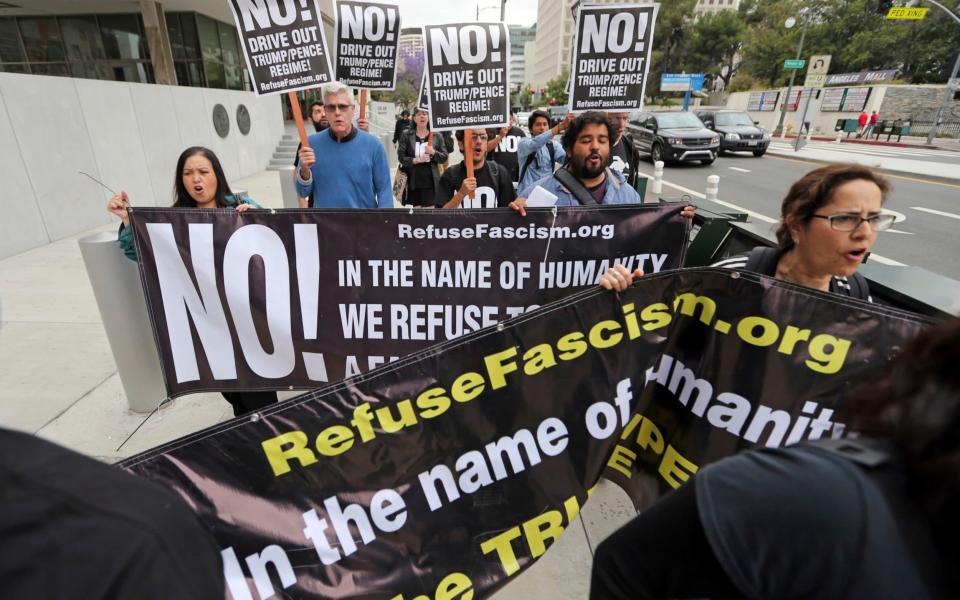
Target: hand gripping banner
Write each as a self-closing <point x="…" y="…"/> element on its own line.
<point x="450" y="471"/>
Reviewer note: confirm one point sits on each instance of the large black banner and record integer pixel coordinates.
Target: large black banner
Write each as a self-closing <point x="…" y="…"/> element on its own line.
<point x="294" y="299"/>
<point x="468" y="75"/>
<point x="611" y="56"/>
<point x="452" y="470"/>
<point x="368" y="35"/>
<point x="284" y="44"/>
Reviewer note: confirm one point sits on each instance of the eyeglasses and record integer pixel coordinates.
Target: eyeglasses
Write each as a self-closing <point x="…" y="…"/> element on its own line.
<point x="846" y="222"/>
<point x="337" y="107"/>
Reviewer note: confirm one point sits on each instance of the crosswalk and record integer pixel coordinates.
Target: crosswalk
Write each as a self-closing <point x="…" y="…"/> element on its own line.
<point x="885" y="151"/>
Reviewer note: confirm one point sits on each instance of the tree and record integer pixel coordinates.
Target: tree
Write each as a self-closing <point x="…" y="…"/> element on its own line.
<point x="525" y="97"/>
<point x="668" y="35"/>
<point x="714" y="45"/>
<point x="557" y="88"/>
<point x="409" y="76"/>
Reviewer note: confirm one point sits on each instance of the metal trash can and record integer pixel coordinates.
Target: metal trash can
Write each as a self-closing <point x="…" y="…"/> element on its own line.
<point x="116" y="286"/>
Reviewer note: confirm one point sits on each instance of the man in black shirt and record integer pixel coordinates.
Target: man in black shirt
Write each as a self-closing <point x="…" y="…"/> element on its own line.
<point x="502" y="147"/>
<point x="403" y="123"/>
<point x="490" y="182"/>
<point x="624" y="156"/>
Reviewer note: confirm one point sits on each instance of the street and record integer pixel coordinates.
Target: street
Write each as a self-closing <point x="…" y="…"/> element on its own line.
<point x="927" y="237"/>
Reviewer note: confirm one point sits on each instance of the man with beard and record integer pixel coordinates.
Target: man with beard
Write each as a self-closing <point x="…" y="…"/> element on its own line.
<point x="624" y="156"/>
<point x="586" y="179"/>
<point x="342" y="166"/>
<point x="490" y="183"/>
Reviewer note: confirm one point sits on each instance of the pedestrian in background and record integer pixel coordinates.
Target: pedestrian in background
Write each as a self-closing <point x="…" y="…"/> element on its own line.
<point x="862" y="121"/>
<point x="539" y="154"/>
<point x="402" y="124"/>
<point x="502" y="147"/>
<point x="872" y="124"/>
<point x="420" y="160"/>
<point x="624" y="156"/>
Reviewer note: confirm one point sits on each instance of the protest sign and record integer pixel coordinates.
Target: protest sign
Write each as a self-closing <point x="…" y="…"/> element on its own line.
<point x="612" y="56"/>
<point x="295" y="299"/>
<point x="456" y="468"/>
<point x="468" y="75"/>
<point x="284" y="44"/>
<point x="368" y="35"/>
<point x="423" y="101"/>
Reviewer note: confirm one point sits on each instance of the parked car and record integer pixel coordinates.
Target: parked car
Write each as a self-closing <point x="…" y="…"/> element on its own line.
<point x="737" y="129"/>
<point x="673" y="137"/>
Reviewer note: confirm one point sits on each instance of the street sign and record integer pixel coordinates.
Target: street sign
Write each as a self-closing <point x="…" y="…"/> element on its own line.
<point x="681" y="82"/>
<point x="819" y="64"/>
<point x="794" y="63"/>
<point x="907" y="13"/>
<point x="815" y="80"/>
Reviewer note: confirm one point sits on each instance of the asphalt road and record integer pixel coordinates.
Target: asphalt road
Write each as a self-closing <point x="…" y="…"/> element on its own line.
<point x="926" y="239"/>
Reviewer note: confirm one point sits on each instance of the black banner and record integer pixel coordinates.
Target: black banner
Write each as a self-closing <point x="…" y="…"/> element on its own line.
<point x="284" y="44"/>
<point x="293" y="299"/>
<point x="468" y="75"/>
<point x="423" y="101"/>
<point x="611" y="58"/>
<point x="368" y="36"/>
<point x="456" y="468"/>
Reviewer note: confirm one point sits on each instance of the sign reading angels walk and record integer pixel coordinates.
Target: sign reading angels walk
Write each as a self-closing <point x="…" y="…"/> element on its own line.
<point x="611" y="57"/>
<point x="468" y="75"/>
<point x="446" y="474"/>
<point x="368" y="36"/>
<point x="295" y="299"/>
<point x="284" y="44"/>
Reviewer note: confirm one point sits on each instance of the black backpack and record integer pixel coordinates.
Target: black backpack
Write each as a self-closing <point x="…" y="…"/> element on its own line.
<point x="763" y="260"/>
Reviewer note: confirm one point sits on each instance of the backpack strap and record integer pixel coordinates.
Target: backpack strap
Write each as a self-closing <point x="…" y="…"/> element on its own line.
<point x="526" y="165"/>
<point x="763" y="260"/>
<point x="579" y="191"/>
<point x="859" y="288"/>
<point x="494" y="169"/>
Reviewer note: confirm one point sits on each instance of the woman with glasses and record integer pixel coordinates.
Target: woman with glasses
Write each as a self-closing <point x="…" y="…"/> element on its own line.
<point x="829" y="221"/>
<point x="420" y="160"/>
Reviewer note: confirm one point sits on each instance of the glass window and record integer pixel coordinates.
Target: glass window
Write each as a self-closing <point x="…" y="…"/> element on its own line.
<point x="228" y="44"/>
<point x="135" y="72"/>
<point x="216" y="78"/>
<point x="234" y="78"/>
<point x="175" y="33"/>
<point x="10" y="48"/>
<point x="59" y="69"/>
<point x="41" y="39"/>
<point x="82" y="38"/>
<point x="191" y="44"/>
<point x="14" y="68"/>
<point x="189" y="73"/>
<point x="209" y="40"/>
<point x="122" y="38"/>
<point x="91" y="70"/>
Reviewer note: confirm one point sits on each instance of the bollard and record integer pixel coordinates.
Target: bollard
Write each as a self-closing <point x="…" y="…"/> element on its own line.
<point x="116" y="286"/>
<point x="287" y="188"/>
<point x="657" y="188"/>
<point x="713" y="187"/>
<point x="839" y="137"/>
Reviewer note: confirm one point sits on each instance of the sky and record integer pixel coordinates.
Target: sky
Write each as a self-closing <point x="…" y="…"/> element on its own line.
<point x="414" y="13"/>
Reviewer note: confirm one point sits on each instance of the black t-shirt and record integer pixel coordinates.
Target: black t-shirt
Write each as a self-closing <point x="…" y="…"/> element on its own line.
<point x="621" y="159"/>
<point x="505" y="154"/>
<point x="492" y="190"/>
<point x="73" y="527"/>
<point x="424" y="177"/>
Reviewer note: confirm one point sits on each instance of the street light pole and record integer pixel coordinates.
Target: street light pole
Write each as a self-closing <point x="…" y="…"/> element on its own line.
<point x="793" y="73"/>
<point x="946" y="93"/>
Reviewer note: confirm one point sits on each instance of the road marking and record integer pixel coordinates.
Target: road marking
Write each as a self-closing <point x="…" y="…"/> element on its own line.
<point x="739" y="169"/>
<point x="898" y="217"/>
<point x="898" y="231"/>
<point x="880" y="259"/>
<point x="936" y="212"/>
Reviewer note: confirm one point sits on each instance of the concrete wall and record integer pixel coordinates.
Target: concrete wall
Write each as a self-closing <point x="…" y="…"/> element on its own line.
<point x="917" y="102"/>
<point x="127" y="135"/>
<point x="822" y="123"/>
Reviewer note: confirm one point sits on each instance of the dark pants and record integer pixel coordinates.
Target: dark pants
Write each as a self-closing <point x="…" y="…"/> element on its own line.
<point x="244" y="402"/>
<point x="661" y="554"/>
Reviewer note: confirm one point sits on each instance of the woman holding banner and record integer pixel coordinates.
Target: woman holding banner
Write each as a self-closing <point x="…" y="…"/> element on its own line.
<point x="199" y="182"/>
<point x="420" y="155"/>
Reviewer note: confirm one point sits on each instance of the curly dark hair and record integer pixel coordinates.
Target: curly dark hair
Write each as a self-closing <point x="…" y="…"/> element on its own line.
<point x="815" y="189"/>
<point x="592" y="117"/>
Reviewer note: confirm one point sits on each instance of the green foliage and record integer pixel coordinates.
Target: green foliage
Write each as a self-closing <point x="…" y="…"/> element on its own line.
<point x="714" y="44"/>
<point x="743" y="83"/>
<point x="525" y="97"/>
<point x="556" y="88"/>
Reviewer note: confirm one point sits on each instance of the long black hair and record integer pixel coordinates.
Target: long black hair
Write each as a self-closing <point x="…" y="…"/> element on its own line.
<point x="182" y="198"/>
<point x="917" y="405"/>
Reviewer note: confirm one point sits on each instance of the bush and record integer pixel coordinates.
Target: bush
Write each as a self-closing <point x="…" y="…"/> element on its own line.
<point x="743" y="83"/>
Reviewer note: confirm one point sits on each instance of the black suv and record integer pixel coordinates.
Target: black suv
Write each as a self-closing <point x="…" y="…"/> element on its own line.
<point x="738" y="131"/>
<point x="673" y="137"/>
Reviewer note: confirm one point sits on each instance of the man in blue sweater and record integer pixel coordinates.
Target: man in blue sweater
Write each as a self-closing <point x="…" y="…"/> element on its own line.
<point x="343" y="167"/>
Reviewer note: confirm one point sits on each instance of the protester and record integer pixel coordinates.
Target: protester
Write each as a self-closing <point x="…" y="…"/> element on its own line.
<point x="860" y="518"/>
<point x="420" y="159"/>
<point x="402" y="124"/>
<point x="502" y="147"/>
<point x="343" y="166"/>
<point x="539" y="154"/>
<point x="490" y="182"/>
<point x="624" y="155"/>
<point x="829" y="221"/>
<point x="199" y="182"/>
<point x="73" y="527"/>
<point x="586" y="179"/>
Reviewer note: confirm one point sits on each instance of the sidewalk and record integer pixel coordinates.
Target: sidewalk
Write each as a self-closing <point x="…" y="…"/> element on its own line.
<point x="826" y="150"/>
<point x="60" y="381"/>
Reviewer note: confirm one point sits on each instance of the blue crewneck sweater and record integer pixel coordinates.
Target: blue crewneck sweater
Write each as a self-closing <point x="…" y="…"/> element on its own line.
<point x="350" y="174"/>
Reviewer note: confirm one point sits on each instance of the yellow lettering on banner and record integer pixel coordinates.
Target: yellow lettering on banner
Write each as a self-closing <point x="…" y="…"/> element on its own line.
<point x="504" y="549"/>
<point x="280" y="450"/>
<point x="622" y="459"/>
<point x="467" y="387"/>
<point x="335" y="440"/>
<point x="650" y="435"/>
<point x="455" y="586"/>
<point x="675" y="469"/>
<point x="597" y="339"/>
<point x="547" y="526"/>
<point x="497" y="368"/>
